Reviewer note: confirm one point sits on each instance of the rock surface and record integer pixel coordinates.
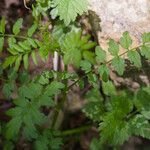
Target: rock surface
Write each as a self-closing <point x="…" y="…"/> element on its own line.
<point x="118" y="16"/>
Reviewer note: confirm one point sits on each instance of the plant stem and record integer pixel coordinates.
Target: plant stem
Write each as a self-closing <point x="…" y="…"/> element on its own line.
<point x="61" y="104"/>
<point x="76" y="130"/>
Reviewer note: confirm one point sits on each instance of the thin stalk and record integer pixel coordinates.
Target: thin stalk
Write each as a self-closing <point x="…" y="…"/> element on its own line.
<point x="76" y="130"/>
<point x="61" y="104"/>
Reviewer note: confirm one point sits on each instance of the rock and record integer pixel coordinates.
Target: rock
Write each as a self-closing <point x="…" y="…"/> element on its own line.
<point x="118" y="16"/>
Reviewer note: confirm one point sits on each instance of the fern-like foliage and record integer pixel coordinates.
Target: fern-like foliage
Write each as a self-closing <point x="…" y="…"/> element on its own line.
<point x="27" y="113"/>
<point x="68" y="10"/>
<point x="75" y="47"/>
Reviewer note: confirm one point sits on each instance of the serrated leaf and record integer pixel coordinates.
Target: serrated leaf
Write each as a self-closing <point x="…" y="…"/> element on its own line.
<point x="145" y="51"/>
<point x="90" y="56"/>
<point x="2" y="25"/>
<point x="135" y="58"/>
<point x="69" y="9"/>
<point x="72" y="46"/>
<point x="72" y="57"/>
<point x="32" y="30"/>
<point x="122" y="104"/>
<point x="8" y="89"/>
<point x="26" y="61"/>
<point x="146" y="37"/>
<point x="104" y="72"/>
<point x="94" y="110"/>
<point x="100" y="54"/>
<point x="93" y="80"/>
<point x="47" y="101"/>
<point x="113" y="47"/>
<point x="140" y="126"/>
<point x="88" y="46"/>
<point x="86" y="66"/>
<point x="119" y="65"/>
<point x="31" y="91"/>
<point x="1" y="43"/>
<point x="114" y="130"/>
<point x="53" y="88"/>
<point x="17" y="26"/>
<point x="13" y="127"/>
<point x="109" y="88"/>
<point x="126" y="40"/>
<point x="33" y="55"/>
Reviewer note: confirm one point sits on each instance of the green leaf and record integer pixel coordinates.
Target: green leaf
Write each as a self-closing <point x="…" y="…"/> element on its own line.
<point x="18" y="62"/>
<point x="17" y="26"/>
<point x="8" y="88"/>
<point x="146" y="37"/>
<point x="32" y="30"/>
<point x="12" y="51"/>
<point x="88" y="46"/>
<point x="90" y="56"/>
<point x="145" y="51"/>
<point x="113" y="129"/>
<point x="73" y="45"/>
<point x="135" y="58"/>
<point x="122" y="104"/>
<point x="119" y="65"/>
<point x="126" y="40"/>
<point x="53" y="88"/>
<point x="140" y="126"/>
<point x="24" y="46"/>
<point x="96" y="144"/>
<point x="18" y="48"/>
<point x="24" y="77"/>
<point x="45" y="100"/>
<point x="48" y="140"/>
<point x="26" y="61"/>
<point x="86" y="66"/>
<point x="13" y="127"/>
<point x="1" y="43"/>
<point x="33" y="55"/>
<point x="9" y="61"/>
<point x="93" y="80"/>
<point x="32" y="43"/>
<point x="11" y="42"/>
<point x="41" y="143"/>
<point x="94" y="110"/>
<point x="142" y="99"/>
<point x="72" y="57"/>
<point x="104" y="72"/>
<point x="31" y="91"/>
<point x="2" y="25"/>
<point x="69" y="9"/>
<point x="109" y="88"/>
<point x="113" y="47"/>
<point x="100" y="54"/>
